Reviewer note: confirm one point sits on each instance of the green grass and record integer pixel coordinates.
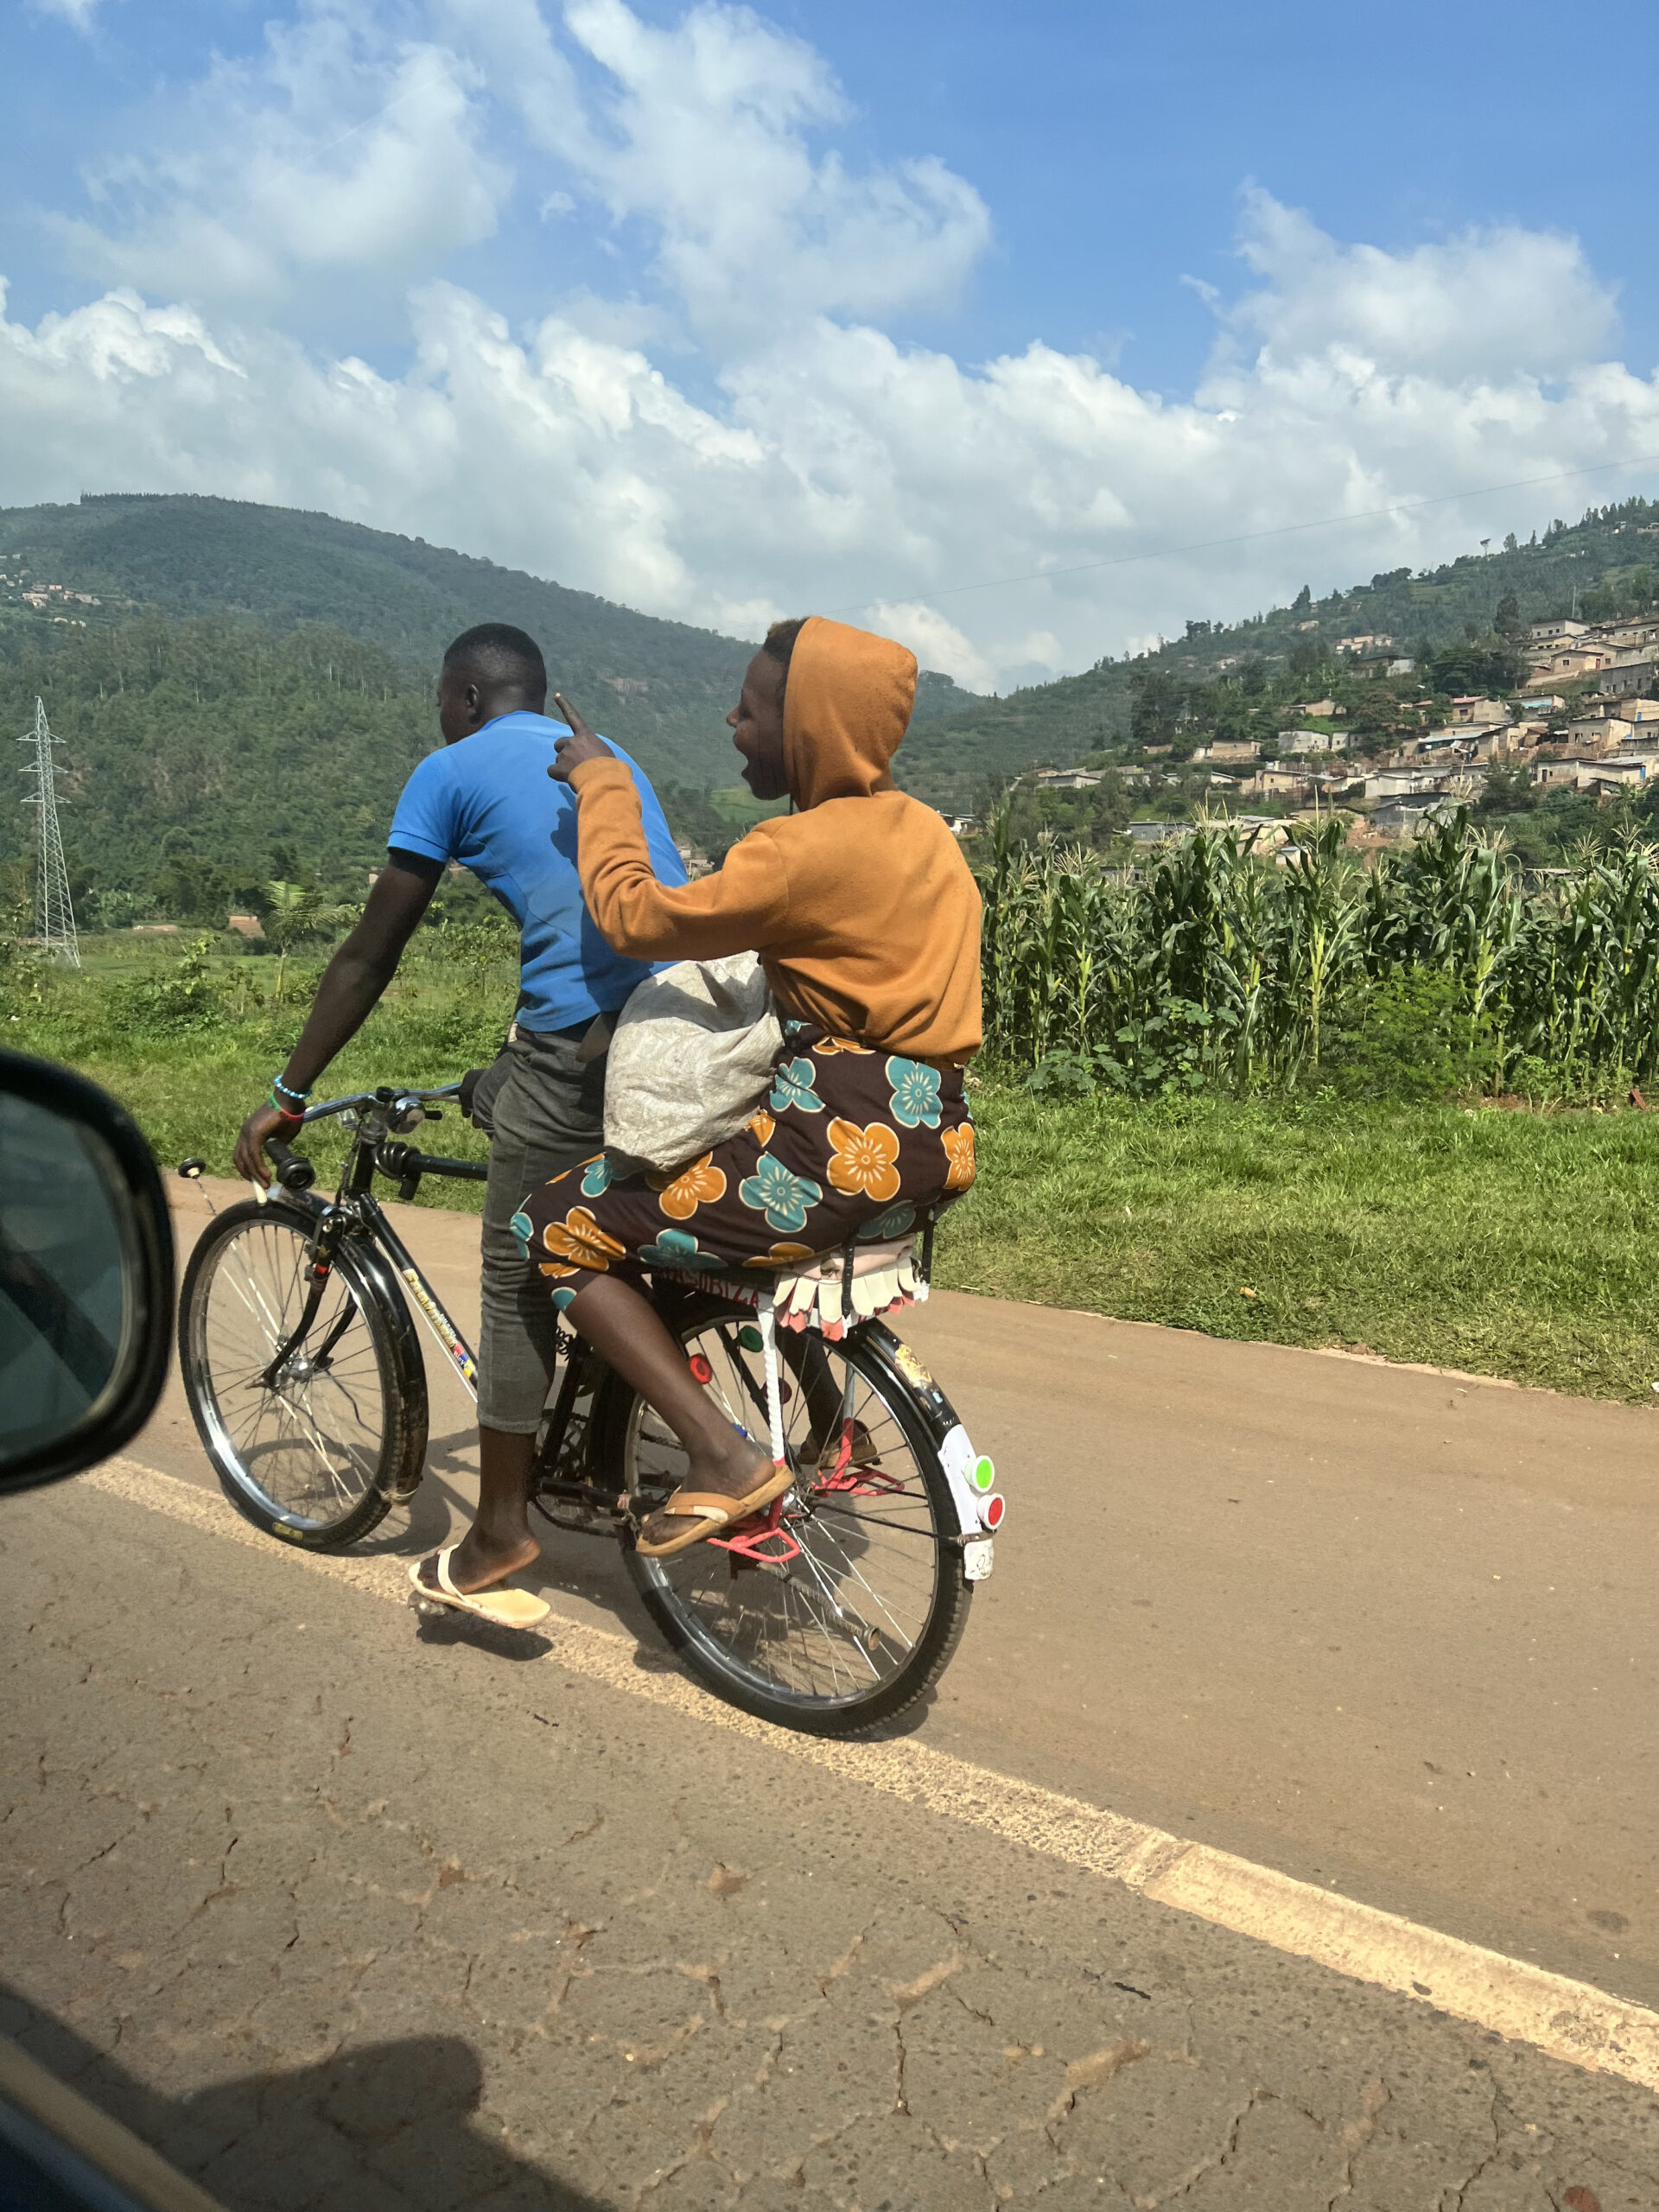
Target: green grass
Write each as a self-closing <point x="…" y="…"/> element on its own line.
<point x="190" y="1091"/>
<point x="1517" y="1245"/>
<point x="1508" y="1243"/>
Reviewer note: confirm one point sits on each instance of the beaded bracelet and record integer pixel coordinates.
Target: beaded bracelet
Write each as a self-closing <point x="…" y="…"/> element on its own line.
<point x="299" y="1096"/>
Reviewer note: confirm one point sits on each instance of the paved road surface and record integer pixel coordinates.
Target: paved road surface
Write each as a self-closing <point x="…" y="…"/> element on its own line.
<point x="1391" y="1631"/>
<point x="342" y="1913"/>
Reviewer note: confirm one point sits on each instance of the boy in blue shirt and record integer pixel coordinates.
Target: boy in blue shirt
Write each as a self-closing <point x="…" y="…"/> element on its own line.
<point x="487" y="801"/>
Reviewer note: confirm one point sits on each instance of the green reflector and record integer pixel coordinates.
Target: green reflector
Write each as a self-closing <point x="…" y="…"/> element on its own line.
<point x="749" y="1338"/>
<point x="984" y="1474"/>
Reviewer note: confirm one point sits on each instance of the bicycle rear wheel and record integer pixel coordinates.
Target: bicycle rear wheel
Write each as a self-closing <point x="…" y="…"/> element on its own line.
<point x="859" y="1619"/>
<point x="316" y="1453"/>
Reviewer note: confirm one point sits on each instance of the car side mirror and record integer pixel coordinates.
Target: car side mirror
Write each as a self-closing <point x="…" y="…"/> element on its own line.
<point x="85" y="1274"/>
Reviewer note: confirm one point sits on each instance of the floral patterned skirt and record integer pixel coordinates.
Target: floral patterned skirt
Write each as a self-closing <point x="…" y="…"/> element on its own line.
<point x="852" y="1143"/>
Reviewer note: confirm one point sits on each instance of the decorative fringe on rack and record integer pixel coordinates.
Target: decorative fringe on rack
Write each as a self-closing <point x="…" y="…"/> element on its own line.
<point x="885" y="1277"/>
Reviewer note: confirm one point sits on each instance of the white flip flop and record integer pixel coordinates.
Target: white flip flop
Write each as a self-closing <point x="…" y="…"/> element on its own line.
<point x="501" y="1607"/>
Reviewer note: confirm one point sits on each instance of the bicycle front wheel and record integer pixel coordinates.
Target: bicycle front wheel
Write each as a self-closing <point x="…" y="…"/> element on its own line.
<point x="865" y="1600"/>
<point x="313" y="1449"/>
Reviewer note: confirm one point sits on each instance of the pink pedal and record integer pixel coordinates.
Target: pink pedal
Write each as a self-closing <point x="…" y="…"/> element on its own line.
<point x="748" y="1541"/>
<point x="858" y="1482"/>
<point x="854" y="1482"/>
<point x="759" y="1543"/>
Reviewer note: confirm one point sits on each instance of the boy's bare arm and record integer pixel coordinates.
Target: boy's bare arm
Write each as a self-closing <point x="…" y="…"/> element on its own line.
<point x="350" y="989"/>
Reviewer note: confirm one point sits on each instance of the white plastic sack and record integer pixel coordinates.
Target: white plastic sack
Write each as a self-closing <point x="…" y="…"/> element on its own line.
<point x="691" y="1059"/>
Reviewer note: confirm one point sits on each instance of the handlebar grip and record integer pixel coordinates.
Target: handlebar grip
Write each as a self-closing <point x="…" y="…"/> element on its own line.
<point x="292" y="1172"/>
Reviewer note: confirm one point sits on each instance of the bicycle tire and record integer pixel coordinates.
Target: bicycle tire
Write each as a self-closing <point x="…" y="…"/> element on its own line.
<point x="710" y="1647"/>
<point x="379" y="1383"/>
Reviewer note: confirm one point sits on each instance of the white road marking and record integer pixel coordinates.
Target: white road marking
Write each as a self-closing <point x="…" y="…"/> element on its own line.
<point x="1569" y="2020"/>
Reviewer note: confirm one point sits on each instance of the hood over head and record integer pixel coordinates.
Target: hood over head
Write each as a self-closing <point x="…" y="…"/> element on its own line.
<point x="846" y="707"/>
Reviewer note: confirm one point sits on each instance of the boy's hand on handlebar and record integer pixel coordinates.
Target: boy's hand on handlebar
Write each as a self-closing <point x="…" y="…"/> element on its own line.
<point x="261" y="1124"/>
<point x="581" y="745"/>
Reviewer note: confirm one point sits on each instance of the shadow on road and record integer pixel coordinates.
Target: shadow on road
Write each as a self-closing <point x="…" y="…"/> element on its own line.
<point x="387" y="2125"/>
<point x="519" y="1644"/>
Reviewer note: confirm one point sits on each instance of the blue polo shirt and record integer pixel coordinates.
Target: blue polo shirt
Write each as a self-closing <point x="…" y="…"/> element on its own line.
<point x="489" y="802"/>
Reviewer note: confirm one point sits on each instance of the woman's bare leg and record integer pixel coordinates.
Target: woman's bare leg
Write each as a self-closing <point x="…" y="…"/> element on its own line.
<point x="626" y="1329"/>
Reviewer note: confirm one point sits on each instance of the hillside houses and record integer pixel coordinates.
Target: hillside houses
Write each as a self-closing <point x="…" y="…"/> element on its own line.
<point x="1233" y="750"/>
<point x="1583" y="717"/>
<point x="1296" y="741"/>
<point x="1067" y="779"/>
<point x="1622" y="657"/>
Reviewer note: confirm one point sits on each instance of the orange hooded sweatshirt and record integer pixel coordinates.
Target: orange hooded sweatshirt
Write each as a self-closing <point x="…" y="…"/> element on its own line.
<point x="860" y="905"/>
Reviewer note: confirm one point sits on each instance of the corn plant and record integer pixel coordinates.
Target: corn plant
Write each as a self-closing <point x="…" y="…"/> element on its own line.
<point x="1221" y="963"/>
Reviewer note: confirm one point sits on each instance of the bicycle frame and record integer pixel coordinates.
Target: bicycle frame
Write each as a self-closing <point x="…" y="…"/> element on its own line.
<point x="377" y="1120"/>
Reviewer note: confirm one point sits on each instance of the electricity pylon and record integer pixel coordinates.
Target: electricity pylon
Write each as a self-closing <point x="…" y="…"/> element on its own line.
<point x="54" y="918"/>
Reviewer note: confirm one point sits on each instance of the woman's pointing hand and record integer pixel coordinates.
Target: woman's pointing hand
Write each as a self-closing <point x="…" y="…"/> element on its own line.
<point x="581" y="745"/>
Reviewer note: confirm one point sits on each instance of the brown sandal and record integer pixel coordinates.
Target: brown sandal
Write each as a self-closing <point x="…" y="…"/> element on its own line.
<point x="713" y="1512"/>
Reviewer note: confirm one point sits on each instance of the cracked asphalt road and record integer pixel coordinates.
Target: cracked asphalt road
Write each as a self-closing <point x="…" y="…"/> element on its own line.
<point x="1390" y="1632"/>
<point x="337" y="1910"/>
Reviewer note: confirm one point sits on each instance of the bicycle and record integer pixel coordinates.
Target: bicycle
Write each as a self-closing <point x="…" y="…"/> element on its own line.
<point x="831" y="1613"/>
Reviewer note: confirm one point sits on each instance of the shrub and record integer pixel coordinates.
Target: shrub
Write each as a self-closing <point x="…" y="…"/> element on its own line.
<point x="182" y="999"/>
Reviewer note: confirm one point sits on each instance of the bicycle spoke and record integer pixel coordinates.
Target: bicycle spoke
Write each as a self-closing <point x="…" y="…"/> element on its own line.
<point x="309" y="1446"/>
<point x="839" y="1612"/>
<point x="854" y="1569"/>
<point x="847" y="1613"/>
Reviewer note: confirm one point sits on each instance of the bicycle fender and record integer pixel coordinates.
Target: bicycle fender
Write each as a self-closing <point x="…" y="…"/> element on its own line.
<point x="372" y="1264"/>
<point x="970" y="1475"/>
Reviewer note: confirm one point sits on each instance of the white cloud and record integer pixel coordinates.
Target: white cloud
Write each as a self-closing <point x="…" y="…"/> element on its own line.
<point x="936" y="642"/>
<point x="344" y="157"/>
<point x="1520" y="301"/>
<point x="800" y="457"/>
<point x="704" y="138"/>
<point x="80" y="13"/>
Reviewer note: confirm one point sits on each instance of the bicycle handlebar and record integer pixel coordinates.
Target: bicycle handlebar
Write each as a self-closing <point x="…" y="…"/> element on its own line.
<point x="292" y="1172"/>
<point x="386" y="1096"/>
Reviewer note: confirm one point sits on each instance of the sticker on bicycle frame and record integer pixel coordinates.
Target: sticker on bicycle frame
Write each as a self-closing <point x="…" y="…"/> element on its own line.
<point x="978" y="1557"/>
<point x="910" y="1368"/>
<point x="959" y="1459"/>
<point x="448" y="1335"/>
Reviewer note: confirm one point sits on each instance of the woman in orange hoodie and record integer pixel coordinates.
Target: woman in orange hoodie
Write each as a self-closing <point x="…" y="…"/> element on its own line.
<point x="867" y="921"/>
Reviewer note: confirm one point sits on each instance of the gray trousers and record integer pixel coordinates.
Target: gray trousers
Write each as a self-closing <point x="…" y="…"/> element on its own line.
<point x="548" y="1115"/>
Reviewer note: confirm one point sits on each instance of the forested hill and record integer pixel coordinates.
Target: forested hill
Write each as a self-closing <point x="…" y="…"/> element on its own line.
<point x="1603" y="566"/>
<point x="202" y="758"/>
<point x="252" y="685"/>
<point x="662" y="688"/>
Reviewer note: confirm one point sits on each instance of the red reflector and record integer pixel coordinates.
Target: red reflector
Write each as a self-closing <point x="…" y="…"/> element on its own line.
<point x="701" y="1370"/>
<point x="992" y="1509"/>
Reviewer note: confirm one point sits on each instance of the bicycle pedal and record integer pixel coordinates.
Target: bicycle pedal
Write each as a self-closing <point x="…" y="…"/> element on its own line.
<point x="757" y="1544"/>
<point x="858" y="1482"/>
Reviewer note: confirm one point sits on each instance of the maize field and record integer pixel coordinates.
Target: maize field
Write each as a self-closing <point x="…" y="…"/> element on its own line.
<point x="1218" y="965"/>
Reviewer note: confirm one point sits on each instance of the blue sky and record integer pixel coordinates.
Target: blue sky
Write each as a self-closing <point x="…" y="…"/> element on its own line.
<point x="841" y="305"/>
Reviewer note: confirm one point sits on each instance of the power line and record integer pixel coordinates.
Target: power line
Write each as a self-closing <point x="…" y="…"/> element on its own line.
<point x="1252" y="537"/>
<point x="55" y="917"/>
